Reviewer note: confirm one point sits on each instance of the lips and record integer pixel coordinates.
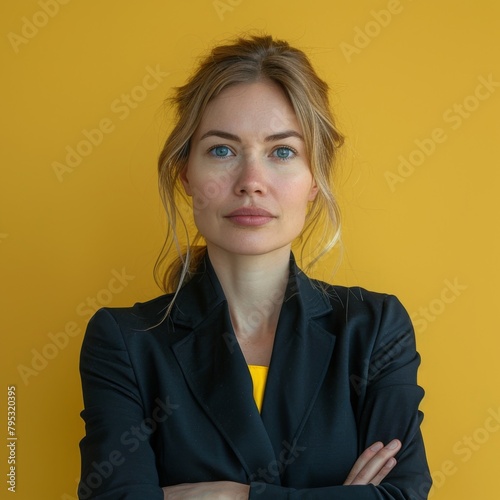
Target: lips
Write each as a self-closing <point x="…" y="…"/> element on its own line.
<point x="250" y="212"/>
<point x="250" y="216"/>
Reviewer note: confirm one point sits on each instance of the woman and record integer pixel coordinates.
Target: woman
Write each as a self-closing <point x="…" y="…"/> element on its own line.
<point x="250" y="380"/>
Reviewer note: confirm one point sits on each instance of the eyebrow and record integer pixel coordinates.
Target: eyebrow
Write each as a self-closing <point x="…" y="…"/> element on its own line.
<point x="270" y="138"/>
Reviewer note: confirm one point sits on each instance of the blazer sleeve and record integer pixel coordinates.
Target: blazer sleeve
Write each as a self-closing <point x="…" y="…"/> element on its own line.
<point x="389" y="398"/>
<point x="117" y="461"/>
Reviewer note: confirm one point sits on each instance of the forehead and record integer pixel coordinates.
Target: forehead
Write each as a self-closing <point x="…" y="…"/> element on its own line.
<point x="260" y="106"/>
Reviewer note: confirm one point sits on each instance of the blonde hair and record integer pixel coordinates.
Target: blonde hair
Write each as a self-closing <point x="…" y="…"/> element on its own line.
<point x="247" y="60"/>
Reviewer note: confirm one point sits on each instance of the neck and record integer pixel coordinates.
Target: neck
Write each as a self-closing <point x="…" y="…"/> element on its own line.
<point x="254" y="286"/>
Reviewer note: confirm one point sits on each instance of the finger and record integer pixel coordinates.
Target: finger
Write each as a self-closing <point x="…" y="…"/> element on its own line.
<point x="362" y="460"/>
<point x="389" y="465"/>
<point x="379" y="465"/>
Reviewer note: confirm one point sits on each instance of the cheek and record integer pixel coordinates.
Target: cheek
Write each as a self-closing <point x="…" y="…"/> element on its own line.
<point x="207" y="193"/>
<point x="298" y="194"/>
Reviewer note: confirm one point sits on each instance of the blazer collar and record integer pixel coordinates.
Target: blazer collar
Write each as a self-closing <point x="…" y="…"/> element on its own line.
<point x="203" y="293"/>
<point x="199" y="297"/>
<point x="217" y="375"/>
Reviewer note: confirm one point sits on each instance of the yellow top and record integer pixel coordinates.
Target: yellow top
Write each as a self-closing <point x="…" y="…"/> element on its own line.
<point x="259" y="377"/>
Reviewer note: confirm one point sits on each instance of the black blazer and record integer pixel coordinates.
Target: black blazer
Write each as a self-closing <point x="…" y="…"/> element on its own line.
<point x="171" y="402"/>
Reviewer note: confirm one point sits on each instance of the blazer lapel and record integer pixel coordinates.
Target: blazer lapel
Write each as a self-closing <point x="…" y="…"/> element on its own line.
<point x="216" y="371"/>
<point x="301" y="356"/>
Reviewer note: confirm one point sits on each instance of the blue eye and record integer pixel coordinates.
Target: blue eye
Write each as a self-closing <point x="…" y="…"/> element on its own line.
<point x="284" y="153"/>
<point x="220" y="151"/>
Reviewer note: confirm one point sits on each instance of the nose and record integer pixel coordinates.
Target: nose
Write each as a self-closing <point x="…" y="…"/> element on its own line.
<point x="251" y="177"/>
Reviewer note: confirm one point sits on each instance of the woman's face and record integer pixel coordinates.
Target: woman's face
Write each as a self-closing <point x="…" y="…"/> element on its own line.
<point x="248" y="173"/>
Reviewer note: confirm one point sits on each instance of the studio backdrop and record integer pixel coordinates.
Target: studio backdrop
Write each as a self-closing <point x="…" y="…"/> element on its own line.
<point x="415" y="86"/>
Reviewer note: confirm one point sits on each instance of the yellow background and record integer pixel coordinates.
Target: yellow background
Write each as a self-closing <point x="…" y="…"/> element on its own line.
<point x="432" y="239"/>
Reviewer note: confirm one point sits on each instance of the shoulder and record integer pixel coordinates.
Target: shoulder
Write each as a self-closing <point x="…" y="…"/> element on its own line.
<point x="356" y="298"/>
<point x="368" y="325"/>
<point x="359" y="311"/>
<point x="142" y="316"/>
<point x="345" y="294"/>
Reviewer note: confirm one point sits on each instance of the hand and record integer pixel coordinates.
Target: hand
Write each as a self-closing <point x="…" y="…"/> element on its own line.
<point x="215" y="490"/>
<point x="374" y="464"/>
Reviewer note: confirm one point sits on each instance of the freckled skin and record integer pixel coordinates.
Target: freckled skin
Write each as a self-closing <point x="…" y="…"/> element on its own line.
<point x="237" y="160"/>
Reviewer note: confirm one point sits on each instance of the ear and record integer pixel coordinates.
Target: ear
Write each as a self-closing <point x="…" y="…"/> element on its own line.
<point x="313" y="192"/>
<point x="185" y="181"/>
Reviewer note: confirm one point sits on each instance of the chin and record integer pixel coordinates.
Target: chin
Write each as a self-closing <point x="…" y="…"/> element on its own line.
<point x="250" y="248"/>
